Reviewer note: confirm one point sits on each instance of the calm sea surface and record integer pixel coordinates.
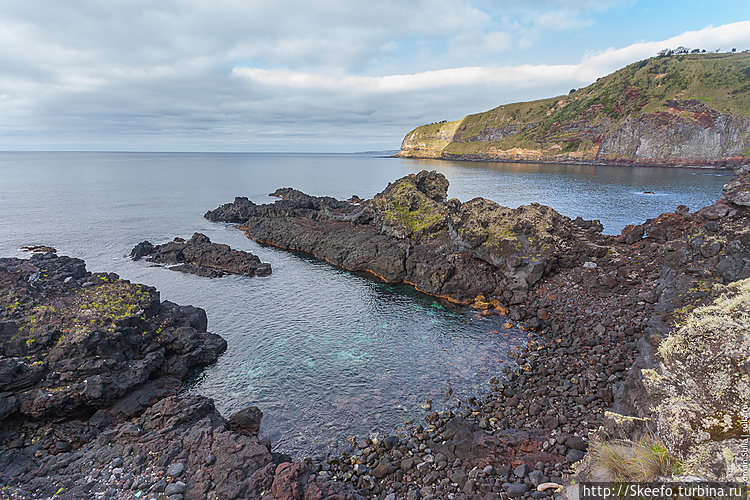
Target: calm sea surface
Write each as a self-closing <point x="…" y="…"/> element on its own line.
<point x="324" y="353"/>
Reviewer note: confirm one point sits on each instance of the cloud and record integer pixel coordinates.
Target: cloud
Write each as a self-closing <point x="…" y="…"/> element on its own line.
<point x="452" y="93"/>
<point x="710" y="38"/>
<point x="252" y="74"/>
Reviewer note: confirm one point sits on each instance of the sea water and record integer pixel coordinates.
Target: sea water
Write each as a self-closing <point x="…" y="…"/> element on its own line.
<point x="324" y="353"/>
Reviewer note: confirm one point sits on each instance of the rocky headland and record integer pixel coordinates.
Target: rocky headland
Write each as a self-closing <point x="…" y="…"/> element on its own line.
<point x="200" y="256"/>
<point x="679" y="110"/>
<point x="412" y="233"/>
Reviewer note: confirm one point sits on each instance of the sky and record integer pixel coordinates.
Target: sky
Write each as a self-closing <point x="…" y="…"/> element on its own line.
<point x="312" y="76"/>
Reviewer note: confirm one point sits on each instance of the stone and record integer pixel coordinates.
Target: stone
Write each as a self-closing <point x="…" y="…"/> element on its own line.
<point x="503" y="472"/>
<point x="363" y="443"/>
<point x="521" y="471"/>
<point x="159" y="486"/>
<point x="459" y="476"/>
<point x="550" y="422"/>
<point x="537" y="477"/>
<point x="470" y="486"/>
<point x="246" y="421"/>
<point x="407" y="464"/>
<point x="174" y="470"/>
<point x="174" y="488"/>
<point x="575" y="456"/>
<point x="517" y="490"/>
<point x="383" y="469"/>
<point x="576" y="443"/>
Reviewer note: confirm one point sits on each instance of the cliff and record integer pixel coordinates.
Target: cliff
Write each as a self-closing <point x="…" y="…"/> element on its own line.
<point x="682" y="110"/>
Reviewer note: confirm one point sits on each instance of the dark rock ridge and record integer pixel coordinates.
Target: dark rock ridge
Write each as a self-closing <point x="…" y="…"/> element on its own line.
<point x="200" y="256"/>
<point x="411" y="233"/>
<point x="90" y="369"/>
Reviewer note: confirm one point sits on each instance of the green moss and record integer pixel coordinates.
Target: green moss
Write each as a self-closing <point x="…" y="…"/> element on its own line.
<point x="405" y="206"/>
<point x="115" y="300"/>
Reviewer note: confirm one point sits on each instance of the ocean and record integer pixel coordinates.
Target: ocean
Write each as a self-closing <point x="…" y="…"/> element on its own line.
<point x="324" y="353"/>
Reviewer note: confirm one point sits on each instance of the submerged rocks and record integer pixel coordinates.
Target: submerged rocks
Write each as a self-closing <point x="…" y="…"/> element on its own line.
<point x="200" y="256"/>
<point x="410" y="233"/>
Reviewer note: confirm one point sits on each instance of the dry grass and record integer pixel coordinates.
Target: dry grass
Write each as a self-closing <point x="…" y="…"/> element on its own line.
<point x="630" y="461"/>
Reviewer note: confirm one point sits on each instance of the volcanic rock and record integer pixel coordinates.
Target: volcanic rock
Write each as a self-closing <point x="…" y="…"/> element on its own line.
<point x="200" y="256"/>
<point x="409" y="233"/>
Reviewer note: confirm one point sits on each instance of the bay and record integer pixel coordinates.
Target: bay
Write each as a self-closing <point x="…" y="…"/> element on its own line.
<point x="324" y="353"/>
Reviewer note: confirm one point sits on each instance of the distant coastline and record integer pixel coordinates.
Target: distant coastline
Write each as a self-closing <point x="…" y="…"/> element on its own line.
<point x="668" y="111"/>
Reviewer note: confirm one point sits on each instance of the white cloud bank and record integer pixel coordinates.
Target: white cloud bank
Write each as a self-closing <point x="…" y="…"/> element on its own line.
<point x="408" y="100"/>
<point x="520" y="77"/>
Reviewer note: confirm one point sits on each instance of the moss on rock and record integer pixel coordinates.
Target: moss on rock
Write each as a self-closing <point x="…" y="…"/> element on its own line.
<point x="413" y="206"/>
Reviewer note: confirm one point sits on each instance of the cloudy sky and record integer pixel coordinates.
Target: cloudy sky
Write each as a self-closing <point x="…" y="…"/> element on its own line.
<point x="316" y="75"/>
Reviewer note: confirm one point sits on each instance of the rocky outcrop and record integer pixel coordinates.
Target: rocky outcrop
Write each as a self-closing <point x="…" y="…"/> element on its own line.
<point x="200" y="256"/>
<point x="686" y="110"/>
<point x="90" y="369"/>
<point x="73" y="341"/>
<point x="701" y="387"/>
<point x="411" y="233"/>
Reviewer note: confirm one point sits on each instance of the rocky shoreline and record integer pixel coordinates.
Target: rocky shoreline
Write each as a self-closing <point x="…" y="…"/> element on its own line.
<point x="596" y="309"/>
<point x="412" y="233"/>
<point x="594" y="317"/>
<point x="92" y="369"/>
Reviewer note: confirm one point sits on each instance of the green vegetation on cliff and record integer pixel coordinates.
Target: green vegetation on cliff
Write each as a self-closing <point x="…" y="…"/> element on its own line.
<point x="691" y="108"/>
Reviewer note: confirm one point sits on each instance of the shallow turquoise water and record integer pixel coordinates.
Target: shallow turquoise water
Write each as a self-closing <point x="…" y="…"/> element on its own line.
<point x="324" y="353"/>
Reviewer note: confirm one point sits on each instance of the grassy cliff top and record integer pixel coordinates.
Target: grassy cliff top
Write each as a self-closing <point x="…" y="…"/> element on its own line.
<point x="719" y="81"/>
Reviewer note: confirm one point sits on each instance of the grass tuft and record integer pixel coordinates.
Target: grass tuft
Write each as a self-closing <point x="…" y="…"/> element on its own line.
<point x="631" y="461"/>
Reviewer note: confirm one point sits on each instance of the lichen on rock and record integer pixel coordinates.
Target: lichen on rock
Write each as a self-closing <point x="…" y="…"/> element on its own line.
<point x="702" y="382"/>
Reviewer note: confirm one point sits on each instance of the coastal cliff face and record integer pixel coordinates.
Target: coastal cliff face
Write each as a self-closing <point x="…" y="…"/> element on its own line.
<point x="684" y="110"/>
